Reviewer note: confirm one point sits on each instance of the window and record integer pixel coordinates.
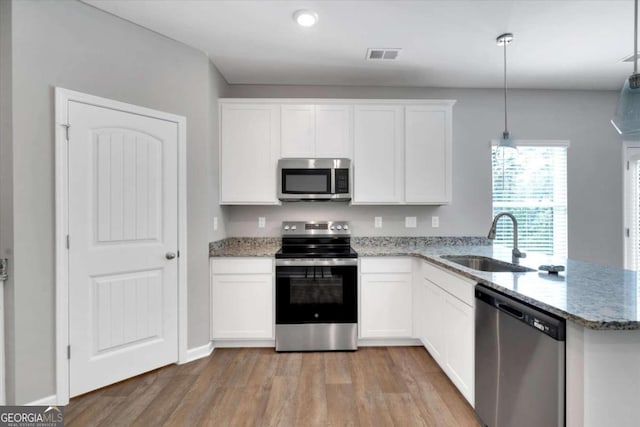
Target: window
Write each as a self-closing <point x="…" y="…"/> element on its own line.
<point x="532" y="185"/>
<point x="632" y="208"/>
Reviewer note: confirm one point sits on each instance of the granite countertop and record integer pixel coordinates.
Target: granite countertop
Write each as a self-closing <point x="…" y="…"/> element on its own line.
<point x="245" y="247"/>
<point x="594" y="296"/>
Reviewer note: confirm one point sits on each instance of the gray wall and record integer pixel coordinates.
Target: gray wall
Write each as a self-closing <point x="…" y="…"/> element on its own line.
<point x="75" y="46"/>
<point x="594" y="165"/>
<point x="6" y="177"/>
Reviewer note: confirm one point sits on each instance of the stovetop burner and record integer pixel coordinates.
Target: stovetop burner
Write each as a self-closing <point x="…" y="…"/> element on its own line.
<point x="316" y="239"/>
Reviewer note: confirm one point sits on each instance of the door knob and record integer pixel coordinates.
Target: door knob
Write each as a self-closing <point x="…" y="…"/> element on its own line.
<point x="170" y="255"/>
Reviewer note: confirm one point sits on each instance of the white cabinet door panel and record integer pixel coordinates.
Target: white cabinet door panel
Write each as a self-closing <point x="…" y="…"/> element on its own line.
<point x="460" y="345"/>
<point x="378" y="158"/>
<point x="242" y="306"/>
<point x="386" y="306"/>
<point x="433" y="328"/>
<point x="428" y="155"/>
<point x="334" y="125"/>
<point x="298" y="131"/>
<point x="249" y="151"/>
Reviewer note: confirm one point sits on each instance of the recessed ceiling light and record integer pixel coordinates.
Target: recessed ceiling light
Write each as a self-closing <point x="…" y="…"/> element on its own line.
<point x="305" y="18"/>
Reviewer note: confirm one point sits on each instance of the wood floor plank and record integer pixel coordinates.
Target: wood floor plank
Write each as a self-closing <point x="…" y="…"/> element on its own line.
<point x="166" y="401"/>
<point x="311" y="399"/>
<point x="281" y="408"/>
<point x="457" y="404"/>
<point x="403" y="410"/>
<point x="149" y="386"/>
<point x="341" y="405"/>
<point x="393" y="386"/>
<point x="336" y="366"/>
<point x="289" y="364"/>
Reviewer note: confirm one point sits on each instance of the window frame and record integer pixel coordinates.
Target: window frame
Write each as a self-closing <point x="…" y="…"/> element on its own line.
<point x="630" y="153"/>
<point x="550" y="143"/>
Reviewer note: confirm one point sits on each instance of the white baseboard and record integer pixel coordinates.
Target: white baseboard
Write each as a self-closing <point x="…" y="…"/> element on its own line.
<point x="388" y="342"/>
<point x="244" y="343"/>
<point x="45" y="401"/>
<point x="199" y="352"/>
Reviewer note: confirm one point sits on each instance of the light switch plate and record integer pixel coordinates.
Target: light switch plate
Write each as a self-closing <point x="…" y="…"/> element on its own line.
<point x="262" y="222"/>
<point x="377" y="222"/>
<point x="435" y="221"/>
<point x="215" y="223"/>
<point x="410" y="222"/>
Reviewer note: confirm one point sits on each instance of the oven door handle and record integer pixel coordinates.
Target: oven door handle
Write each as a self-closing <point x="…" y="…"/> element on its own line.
<point x="316" y="262"/>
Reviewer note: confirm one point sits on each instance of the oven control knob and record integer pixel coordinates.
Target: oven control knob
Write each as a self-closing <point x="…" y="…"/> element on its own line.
<point x="333" y="228"/>
<point x="286" y="227"/>
<point x="339" y="227"/>
<point x="293" y="227"/>
<point x="346" y="227"/>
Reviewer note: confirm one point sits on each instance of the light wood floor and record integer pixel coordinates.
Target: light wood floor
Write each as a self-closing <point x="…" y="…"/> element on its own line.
<point x="374" y="386"/>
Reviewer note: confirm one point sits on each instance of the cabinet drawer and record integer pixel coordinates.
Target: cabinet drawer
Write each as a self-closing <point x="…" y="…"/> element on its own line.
<point x="460" y="287"/>
<point x="241" y="266"/>
<point x="385" y="265"/>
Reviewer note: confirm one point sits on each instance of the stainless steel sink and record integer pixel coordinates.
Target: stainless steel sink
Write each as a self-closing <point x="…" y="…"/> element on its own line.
<point x="482" y="263"/>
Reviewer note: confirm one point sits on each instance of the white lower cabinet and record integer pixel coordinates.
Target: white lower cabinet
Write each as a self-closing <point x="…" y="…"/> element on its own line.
<point x="448" y="325"/>
<point x="386" y="298"/>
<point x="242" y="298"/>
<point x="432" y="309"/>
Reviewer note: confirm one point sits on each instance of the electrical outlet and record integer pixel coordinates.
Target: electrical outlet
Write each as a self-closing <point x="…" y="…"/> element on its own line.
<point x="377" y="222"/>
<point x="215" y="223"/>
<point x="262" y="222"/>
<point x="410" y="222"/>
<point x="435" y="221"/>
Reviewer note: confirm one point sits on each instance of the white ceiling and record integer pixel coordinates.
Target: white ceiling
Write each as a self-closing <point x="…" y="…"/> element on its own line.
<point x="559" y="44"/>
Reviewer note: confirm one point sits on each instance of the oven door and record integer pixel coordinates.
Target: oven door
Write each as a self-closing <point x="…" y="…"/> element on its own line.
<point x="316" y="291"/>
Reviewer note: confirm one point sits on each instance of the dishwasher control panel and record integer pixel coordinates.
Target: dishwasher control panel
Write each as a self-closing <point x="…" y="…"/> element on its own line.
<point x="544" y="322"/>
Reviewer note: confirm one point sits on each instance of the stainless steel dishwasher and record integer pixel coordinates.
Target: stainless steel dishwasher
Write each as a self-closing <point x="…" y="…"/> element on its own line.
<point x="519" y="363"/>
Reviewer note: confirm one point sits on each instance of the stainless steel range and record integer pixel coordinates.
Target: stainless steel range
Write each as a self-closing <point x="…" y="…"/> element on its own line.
<point x="316" y="287"/>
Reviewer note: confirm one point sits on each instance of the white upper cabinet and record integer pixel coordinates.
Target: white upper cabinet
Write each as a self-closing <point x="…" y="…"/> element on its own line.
<point x="428" y="154"/>
<point x="403" y="153"/>
<point x="318" y="131"/>
<point x="249" y="152"/>
<point x="401" y="150"/>
<point x="298" y="131"/>
<point x="379" y="155"/>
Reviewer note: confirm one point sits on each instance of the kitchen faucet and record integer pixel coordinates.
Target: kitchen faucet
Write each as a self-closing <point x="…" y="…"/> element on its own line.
<point x="515" y="253"/>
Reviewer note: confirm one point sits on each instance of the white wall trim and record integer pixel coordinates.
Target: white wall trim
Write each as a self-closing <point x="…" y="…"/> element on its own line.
<point x="230" y="343"/>
<point x="62" y="99"/>
<point x="389" y="342"/>
<point x="199" y="352"/>
<point x="45" y="401"/>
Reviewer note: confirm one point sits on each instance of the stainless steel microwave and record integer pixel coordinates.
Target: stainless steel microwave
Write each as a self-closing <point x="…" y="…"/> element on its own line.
<point x="314" y="180"/>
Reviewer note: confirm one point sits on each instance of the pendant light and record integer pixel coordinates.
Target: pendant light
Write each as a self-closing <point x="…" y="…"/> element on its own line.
<point x="506" y="141"/>
<point x="627" y="118"/>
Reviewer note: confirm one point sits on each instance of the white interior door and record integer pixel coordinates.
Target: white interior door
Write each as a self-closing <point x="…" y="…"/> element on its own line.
<point x="123" y="227"/>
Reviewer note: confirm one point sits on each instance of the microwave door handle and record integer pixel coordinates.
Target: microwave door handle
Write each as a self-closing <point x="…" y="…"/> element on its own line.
<point x="332" y="177"/>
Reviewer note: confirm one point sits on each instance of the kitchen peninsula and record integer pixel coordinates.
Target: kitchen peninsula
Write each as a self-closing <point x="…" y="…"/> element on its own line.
<point x="600" y="304"/>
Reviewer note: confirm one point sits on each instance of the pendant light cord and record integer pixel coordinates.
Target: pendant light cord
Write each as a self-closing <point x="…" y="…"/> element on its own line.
<point x="506" y="129"/>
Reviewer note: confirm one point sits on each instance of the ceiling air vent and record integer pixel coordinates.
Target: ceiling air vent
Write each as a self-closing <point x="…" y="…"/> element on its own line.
<point x="630" y="58"/>
<point x="382" y="54"/>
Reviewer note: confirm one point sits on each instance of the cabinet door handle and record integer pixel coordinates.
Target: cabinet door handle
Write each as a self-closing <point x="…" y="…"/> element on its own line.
<point x="170" y="255"/>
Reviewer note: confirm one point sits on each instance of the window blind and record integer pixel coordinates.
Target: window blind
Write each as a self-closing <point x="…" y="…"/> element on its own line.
<point x="532" y="185"/>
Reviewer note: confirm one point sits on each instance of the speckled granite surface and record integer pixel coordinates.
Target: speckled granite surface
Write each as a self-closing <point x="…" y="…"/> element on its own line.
<point x="245" y="247"/>
<point x="592" y="295"/>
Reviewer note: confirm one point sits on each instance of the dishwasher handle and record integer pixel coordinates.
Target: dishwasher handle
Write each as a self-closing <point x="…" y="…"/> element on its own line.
<point x="510" y="310"/>
<point x="545" y="322"/>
